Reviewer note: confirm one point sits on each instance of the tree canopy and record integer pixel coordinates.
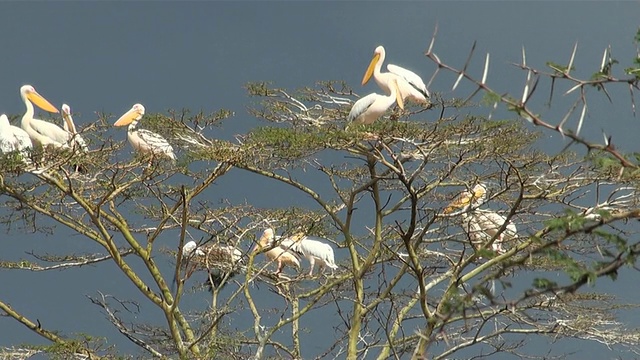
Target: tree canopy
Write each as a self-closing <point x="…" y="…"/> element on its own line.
<point x="414" y="278"/>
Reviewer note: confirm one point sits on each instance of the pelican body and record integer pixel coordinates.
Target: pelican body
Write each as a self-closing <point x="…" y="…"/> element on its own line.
<point x="313" y="249"/>
<point x="40" y="131"/>
<point x="144" y="140"/>
<point x="76" y="141"/>
<point x="481" y="225"/>
<point x="279" y="253"/>
<point x="410" y="84"/>
<point x="13" y="138"/>
<point x="368" y="109"/>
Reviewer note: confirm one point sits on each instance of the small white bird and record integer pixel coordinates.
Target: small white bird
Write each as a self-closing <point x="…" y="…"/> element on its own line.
<point x="481" y="225"/>
<point x="314" y="249"/>
<point x="410" y="84"/>
<point x="282" y="255"/>
<point x="369" y="108"/>
<point x="13" y="138"/>
<point x="144" y="140"/>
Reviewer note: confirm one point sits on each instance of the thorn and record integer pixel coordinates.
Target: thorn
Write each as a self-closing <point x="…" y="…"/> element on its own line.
<point x="573" y="54"/>
<point x="486" y="69"/>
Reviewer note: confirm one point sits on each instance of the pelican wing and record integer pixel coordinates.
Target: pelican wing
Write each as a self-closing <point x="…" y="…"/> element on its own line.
<point x="53" y="132"/>
<point x="22" y="138"/>
<point x="361" y="106"/>
<point x="483" y="225"/>
<point x="156" y="143"/>
<point x="317" y="247"/>
<point x="409" y="76"/>
<point x="79" y="143"/>
<point x="291" y="246"/>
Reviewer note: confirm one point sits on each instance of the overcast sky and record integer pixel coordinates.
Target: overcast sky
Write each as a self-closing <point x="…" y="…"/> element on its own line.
<point x="106" y="56"/>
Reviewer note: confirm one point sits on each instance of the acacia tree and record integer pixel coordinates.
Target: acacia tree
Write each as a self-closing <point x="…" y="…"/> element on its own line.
<point x="410" y="283"/>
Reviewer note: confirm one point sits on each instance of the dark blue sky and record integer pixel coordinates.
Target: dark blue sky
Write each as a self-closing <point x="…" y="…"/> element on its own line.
<point x="106" y="56"/>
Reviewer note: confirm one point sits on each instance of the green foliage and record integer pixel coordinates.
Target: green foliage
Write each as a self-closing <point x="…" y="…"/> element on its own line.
<point x="559" y="69"/>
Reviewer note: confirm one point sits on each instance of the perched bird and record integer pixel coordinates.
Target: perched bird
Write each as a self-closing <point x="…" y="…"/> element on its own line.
<point x="144" y="140"/>
<point x="410" y="84"/>
<point x="276" y="252"/>
<point x="76" y="141"/>
<point x="481" y="225"/>
<point x="369" y="108"/>
<point x="13" y="138"/>
<point x="312" y="248"/>
<point x="40" y="131"/>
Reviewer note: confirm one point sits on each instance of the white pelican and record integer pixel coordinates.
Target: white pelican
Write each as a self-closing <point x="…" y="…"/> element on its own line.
<point x="313" y="249"/>
<point x="77" y="140"/>
<point x="144" y="140"/>
<point x="481" y="225"/>
<point x="278" y="253"/>
<point x="12" y="138"/>
<point x="371" y="107"/>
<point x="40" y="131"/>
<point x="410" y="84"/>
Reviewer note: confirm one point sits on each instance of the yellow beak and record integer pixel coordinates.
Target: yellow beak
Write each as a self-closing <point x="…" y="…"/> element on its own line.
<point x="369" y="72"/>
<point x="41" y="102"/>
<point x="458" y="203"/>
<point x="128" y="118"/>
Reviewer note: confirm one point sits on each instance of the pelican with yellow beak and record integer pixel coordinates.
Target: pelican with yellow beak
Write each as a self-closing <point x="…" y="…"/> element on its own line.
<point x="481" y="226"/>
<point x="40" y="131"/>
<point x="410" y="84"/>
<point x="76" y="140"/>
<point x="144" y="140"/>
<point x="368" y="109"/>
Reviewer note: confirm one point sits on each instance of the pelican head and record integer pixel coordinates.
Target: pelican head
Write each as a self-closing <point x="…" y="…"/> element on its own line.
<point x="135" y="114"/>
<point x="265" y="239"/>
<point x="188" y="248"/>
<point x="4" y="121"/>
<point x="479" y="193"/>
<point x="68" y="121"/>
<point x="28" y="92"/>
<point x="377" y="54"/>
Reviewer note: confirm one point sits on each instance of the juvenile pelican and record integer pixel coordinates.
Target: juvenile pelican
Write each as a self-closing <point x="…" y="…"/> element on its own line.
<point x="410" y="84"/>
<point x="12" y="138"/>
<point x="368" y="109"/>
<point x="279" y="253"/>
<point x="312" y="248"/>
<point x="481" y="225"/>
<point x="42" y="132"/>
<point x="144" y="140"/>
<point x="75" y="139"/>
